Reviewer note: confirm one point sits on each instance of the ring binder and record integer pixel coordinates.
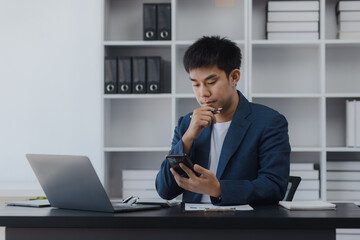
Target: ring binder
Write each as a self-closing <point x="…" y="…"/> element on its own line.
<point x="139" y="75"/>
<point x="149" y="21"/>
<point x="124" y="75"/>
<point x="153" y="74"/>
<point x="110" y="76"/>
<point x="164" y="21"/>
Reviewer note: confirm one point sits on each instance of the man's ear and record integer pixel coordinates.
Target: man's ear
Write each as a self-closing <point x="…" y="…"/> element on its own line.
<point x="234" y="77"/>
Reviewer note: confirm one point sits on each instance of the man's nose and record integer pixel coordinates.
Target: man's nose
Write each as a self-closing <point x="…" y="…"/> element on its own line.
<point x="204" y="92"/>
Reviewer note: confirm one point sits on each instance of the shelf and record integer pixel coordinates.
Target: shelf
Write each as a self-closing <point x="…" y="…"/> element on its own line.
<point x="285" y="95"/>
<point x="299" y="76"/>
<point x="342" y="149"/>
<point x="132" y="122"/>
<point x="306" y="81"/>
<point x="187" y="43"/>
<point x="137" y="43"/>
<point x="342" y="42"/>
<point x="285" y="42"/>
<point x="306" y="149"/>
<point x="304" y="118"/>
<point x="185" y="95"/>
<point x="340" y="61"/>
<point x="129" y="160"/>
<point x="193" y="16"/>
<point x="311" y="156"/>
<point x="136" y="149"/>
<point x="343" y="95"/>
<point x="138" y="96"/>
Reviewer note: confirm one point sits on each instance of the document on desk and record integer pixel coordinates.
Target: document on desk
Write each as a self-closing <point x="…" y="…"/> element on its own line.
<point x="211" y="207"/>
<point x="307" y="205"/>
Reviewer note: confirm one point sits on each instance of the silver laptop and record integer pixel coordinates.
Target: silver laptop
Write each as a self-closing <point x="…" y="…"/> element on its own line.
<point x="71" y="182"/>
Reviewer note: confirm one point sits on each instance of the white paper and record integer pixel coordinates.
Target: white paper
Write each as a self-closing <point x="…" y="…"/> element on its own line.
<point x="211" y="207"/>
<point x="307" y="205"/>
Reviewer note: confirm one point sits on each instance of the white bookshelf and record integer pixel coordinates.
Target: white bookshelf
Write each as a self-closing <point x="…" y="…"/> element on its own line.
<point x="307" y="81"/>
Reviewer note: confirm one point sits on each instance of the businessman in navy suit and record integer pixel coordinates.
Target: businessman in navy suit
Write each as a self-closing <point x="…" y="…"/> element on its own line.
<point x="241" y="151"/>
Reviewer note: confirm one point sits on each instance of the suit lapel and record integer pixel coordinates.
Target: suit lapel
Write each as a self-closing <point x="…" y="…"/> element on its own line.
<point x="235" y="135"/>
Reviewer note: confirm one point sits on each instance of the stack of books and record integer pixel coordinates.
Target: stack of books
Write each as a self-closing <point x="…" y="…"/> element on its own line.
<point x="293" y="20"/>
<point x="352" y="123"/>
<point x="139" y="183"/>
<point x="309" y="186"/>
<point x="343" y="181"/>
<point x="348" y="18"/>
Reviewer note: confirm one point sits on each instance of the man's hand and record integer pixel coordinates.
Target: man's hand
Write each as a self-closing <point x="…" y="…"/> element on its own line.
<point x="201" y="118"/>
<point x="207" y="183"/>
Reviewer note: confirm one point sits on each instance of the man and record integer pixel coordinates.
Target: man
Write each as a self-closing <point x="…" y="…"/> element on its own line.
<point x="241" y="151"/>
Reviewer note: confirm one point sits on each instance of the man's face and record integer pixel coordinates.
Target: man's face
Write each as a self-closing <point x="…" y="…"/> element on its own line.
<point x="212" y="88"/>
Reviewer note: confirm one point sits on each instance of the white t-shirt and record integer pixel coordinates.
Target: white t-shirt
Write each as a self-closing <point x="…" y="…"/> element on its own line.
<point x="218" y="134"/>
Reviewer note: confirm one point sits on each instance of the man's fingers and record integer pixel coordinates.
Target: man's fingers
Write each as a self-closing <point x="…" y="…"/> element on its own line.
<point x="201" y="170"/>
<point x="187" y="170"/>
<point x="177" y="177"/>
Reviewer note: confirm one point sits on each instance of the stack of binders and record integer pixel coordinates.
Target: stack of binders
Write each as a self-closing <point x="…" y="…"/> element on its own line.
<point x="352" y="123"/>
<point x="348" y="17"/>
<point x="309" y="186"/>
<point x="343" y="180"/>
<point x="157" y="21"/>
<point x="133" y="75"/>
<point x="292" y="20"/>
<point x="139" y="183"/>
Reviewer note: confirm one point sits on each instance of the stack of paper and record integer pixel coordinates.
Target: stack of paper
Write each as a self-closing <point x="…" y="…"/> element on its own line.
<point x="343" y="180"/>
<point x="310" y="185"/>
<point x="140" y="183"/>
<point x="293" y="20"/>
<point x="307" y="205"/>
<point x="348" y="16"/>
<point x="159" y="201"/>
<point x="211" y="207"/>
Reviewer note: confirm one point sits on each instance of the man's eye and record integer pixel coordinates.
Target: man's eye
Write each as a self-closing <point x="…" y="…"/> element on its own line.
<point x="212" y="83"/>
<point x="195" y="85"/>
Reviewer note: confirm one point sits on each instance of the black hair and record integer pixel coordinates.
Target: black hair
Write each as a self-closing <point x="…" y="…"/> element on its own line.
<point x="213" y="51"/>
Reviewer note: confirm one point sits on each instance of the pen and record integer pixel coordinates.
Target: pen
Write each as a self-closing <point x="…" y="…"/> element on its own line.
<point x="125" y="200"/>
<point x="219" y="209"/>
<point x="213" y="111"/>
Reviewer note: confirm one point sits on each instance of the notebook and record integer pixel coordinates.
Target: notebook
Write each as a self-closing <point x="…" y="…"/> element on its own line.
<point x="30" y="203"/>
<point x="307" y="205"/>
<point x="71" y="182"/>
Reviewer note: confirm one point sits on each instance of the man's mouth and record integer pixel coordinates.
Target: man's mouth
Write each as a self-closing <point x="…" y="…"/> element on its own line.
<point x="207" y="103"/>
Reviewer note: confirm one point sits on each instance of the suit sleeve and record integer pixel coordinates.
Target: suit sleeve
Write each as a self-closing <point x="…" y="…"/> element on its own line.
<point x="165" y="183"/>
<point x="273" y="170"/>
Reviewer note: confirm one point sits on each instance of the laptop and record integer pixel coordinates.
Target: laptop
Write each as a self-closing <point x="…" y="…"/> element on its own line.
<point x="71" y="182"/>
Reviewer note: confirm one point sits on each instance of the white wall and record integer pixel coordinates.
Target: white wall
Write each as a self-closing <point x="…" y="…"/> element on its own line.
<point x="50" y="84"/>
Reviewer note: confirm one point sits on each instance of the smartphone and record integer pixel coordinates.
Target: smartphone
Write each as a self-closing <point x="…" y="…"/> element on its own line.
<point x="175" y="159"/>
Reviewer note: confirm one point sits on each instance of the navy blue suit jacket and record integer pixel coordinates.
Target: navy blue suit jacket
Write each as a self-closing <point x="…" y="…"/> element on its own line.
<point x="254" y="160"/>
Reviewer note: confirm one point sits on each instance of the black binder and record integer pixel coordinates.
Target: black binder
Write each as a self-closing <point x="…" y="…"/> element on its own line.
<point x="124" y="75"/>
<point x="153" y="74"/>
<point x="110" y="75"/>
<point x="139" y="75"/>
<point x="164" y="21"/>
<point x="149" y="21"/>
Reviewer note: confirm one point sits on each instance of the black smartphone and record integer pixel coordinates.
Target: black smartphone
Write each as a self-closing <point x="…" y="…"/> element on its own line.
<point x="175" y="159"/>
